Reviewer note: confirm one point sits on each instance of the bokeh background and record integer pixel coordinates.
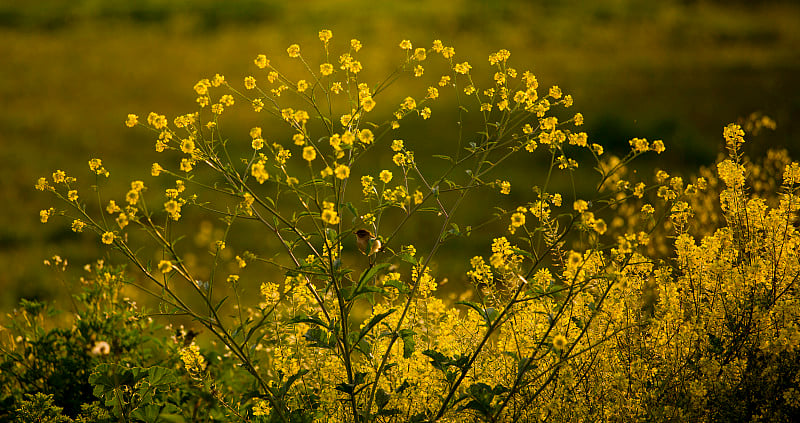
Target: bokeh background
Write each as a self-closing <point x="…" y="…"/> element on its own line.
<point x="70" y="70"/>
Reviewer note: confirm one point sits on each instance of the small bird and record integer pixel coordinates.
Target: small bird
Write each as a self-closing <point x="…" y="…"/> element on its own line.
<point x="366" y="242"/>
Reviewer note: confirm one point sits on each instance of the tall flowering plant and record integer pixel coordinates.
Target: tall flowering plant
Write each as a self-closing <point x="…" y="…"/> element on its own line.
<point x="348" y="325"/>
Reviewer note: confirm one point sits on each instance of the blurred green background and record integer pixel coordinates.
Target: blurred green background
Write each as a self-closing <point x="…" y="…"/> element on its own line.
<point x="71" y="70"/>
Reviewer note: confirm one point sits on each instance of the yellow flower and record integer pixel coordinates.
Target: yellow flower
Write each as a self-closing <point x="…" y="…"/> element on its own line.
<point x="418" y="71"/>
<point x="132" y="120"/>
<point x="420" y="54"/>
<point x="326" y="69"/>
<point x="731" y="173"/>
<point x="580" y="206"/>
<point x="156" y="169"/>
<point x="791" y="174"/>
<point x="164" y="266"/>
<point x="78" y="225"/>
<point x="96" y="165"/>
<point x="187" y="146"/>
<point x="658" y="146"/>
<point x="347" y="138"/>
<point x="259" y="171"/>
<point x="517" y="219"/>
<point x="41" y="184"/>
<point x="325" y="35"/>
<point x="112" y="207"/>
<point x="44" y="215"/>
<point x="342" y="171"/>
<point x="640" y="145"/>
<point x="366" y="136"/>
<point x="559" y="342"/>
<point x="397" y="145"/>
<point x="448" y="52"/>
<point x="302" y="85"/>
<point x="425" y="112"/>
<point x="409" y="103"/>
<point x="261" y="408"/>
<point x="734" y="135"/>
<point x="505" y="187"/>
<point x="72" y="195"/>
<point x="329" y="216"/>
<point x="192" y="360"/>
<point x="367" y="185"/>
<point x="385" y="176"/>
<point x="249" y="82"/>
<point x="367" y="103"/>
<point x="418" y="197"/>
<point x="444" y="81"/>
<point x="201" y="88"/>
<point x="132" y="197"/>
<point x="600" y="226"/>
<point x="257" y="144"/>
<point x="500" y="56"/>
<point x="405" y="45"/>
<point x="579" y="139"/>
<point x="355" y="44"/>
<point x="293" y="51"/>
<point x="217" y="80"/>
<point x="173" y="209"/>
<point x="462" y="68"/>
<point x="186" y="165"/>
<point x="122" y="220"/>
<point x="433" y="93"/>
<point x="108" y="238"/>
<point x="309" y="153"/>
<point x="399" y="159"/>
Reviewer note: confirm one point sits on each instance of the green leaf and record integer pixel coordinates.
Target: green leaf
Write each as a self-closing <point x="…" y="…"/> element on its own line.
<point x="474" y="306"/>
<point x="381" y="398"/>
<point x="408" y="258"/>
<point x="290" y="381"/>
<point x="219" y="304"/>
<point x="438" y="360"/>
<point x="349" y="206"/>
<point x="319" y="338"/>
<point x="369" y="273"/>
<point x="398" y="285"/>
<point x="303" y="318"/>
<point x="409" y="344"/>
<point x="372" y="322"/>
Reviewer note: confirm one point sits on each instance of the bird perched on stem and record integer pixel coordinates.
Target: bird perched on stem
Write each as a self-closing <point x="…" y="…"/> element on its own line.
<point x="367" y="244"/>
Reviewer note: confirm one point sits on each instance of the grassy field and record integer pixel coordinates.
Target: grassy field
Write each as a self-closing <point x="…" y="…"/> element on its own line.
<point x="71" y="71"/>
